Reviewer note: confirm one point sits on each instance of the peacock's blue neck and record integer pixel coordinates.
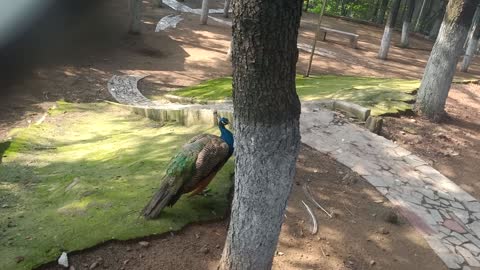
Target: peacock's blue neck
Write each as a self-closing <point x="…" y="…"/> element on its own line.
<point x="227" y="136"/>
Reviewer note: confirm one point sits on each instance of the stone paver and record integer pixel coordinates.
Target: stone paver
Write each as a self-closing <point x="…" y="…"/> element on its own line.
<point x="439" y="209"/>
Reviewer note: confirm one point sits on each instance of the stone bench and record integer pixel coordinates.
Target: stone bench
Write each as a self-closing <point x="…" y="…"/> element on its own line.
<point x="353" y="37"/>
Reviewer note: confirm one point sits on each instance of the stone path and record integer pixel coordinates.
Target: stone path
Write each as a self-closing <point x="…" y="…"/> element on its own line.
<point x="446" y="216"/>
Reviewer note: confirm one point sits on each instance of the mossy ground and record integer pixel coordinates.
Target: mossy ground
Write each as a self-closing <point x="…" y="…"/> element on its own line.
<point x="117" y="160"/>
<point x="383" y="96"/>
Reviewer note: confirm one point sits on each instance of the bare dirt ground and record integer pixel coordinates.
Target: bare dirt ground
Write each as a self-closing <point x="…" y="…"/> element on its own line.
<point x="358" y="237"/>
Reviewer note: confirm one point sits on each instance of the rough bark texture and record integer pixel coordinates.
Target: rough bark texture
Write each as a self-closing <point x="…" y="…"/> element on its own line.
<point x="135" y="14"/>
<point x="472" y="43"/>
<point x="406" y="23"/>
<point x="204" y="15"/>
<point x="440" y="68"/>
<point x="381" y="12"/>
<point x="387" y="34"/>
<point x="266" y="112"/>
<point x="226" y="8"/>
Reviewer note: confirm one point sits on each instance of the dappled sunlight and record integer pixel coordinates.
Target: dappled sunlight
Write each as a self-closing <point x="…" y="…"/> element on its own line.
<point x="97" y="168"/>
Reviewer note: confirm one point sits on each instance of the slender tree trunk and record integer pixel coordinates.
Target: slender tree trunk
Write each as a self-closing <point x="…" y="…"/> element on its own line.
<point x="387" y="33"/>
<point x="421" y="14"/>
<point x="440" y="68"/>
<point x="226" y="8"/>
<point x="135" y="14"/>
<point x="375" y="10"/>
<point x="472" y="44"/>
<point x="267" y="138"/>
<point x="381" y="12"/>
<point x="438" y="21"/>
<point x="306" y="5"/>
<point x="406" y="23"/>
<point x="204" y="15"/>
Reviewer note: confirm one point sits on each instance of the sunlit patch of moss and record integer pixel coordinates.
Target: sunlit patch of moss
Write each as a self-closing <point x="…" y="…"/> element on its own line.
<point x="82" y="178"/>
<point x="383" y="96"/>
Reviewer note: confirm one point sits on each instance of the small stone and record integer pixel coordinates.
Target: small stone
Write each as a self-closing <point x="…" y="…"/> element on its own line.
<point x="204" y="250"/>
<point x="129" y="249"/>
<point x="384" y="230"/>
<point x="126" y="262"/>
<point x="144" y="243"/>
<point x="94" y="265"/>
<point x="217" y="246"/>
<point x="19" y="259"/>
<point x="391" y="217"/>
<point x="279" y="253"/>
<point x="4" y="205"/>
<point x="71" y="267"/>
<point x="197" y="236"/>
<point x="454" y="226"/>
<point x="372" y="262"/>
<point x="63" y="260"/>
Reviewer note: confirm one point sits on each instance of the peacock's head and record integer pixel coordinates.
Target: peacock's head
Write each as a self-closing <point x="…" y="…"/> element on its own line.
<point x="223" y="121"/>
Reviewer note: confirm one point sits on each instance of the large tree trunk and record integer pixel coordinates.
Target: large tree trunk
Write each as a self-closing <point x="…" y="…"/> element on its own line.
<point x="267" y="137"/>
<point x="440" y="68"/>
<point x="381" y="12"/>
<point x="204" y="15"/>
<point x="387" y="33"/>
<point x="406" y="23"/>
<point x="472" y="43"/>
<point x="135" y="14"/>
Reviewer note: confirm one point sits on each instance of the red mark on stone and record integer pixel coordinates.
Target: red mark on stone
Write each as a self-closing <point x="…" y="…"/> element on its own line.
<point x="454" y="226"/>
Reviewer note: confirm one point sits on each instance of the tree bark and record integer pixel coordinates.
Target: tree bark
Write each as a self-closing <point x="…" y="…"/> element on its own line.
<point x="381" y="12"/>
<point x="204" y="15"/>
<point x="387" y="33"/>
<point x="226" y="8"/>
<point x="438" y="21"/>
<point x="406" y="23"/>
<point x="472" y="44"/>
<point x="135" y="14"/>
<point x="441" y="64"/>
<point x="267" y="137"/>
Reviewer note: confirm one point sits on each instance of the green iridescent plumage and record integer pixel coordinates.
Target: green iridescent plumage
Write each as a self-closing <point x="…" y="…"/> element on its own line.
<point x="191" y="169"/>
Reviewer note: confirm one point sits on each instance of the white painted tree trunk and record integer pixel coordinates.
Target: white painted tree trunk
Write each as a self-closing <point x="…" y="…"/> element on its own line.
<point x="135" y="16"/>
<point x="226" y="8"/>
<point x="204" y="16"/>
<point x="387" y="33"/>
<point x="385" y="45"/>
<point x="472" y="41"/>
<point x="405" y="34"/>
<point x="443" y="59"/>
<point x="229" y="52"/>
<point x="266" y="121"/>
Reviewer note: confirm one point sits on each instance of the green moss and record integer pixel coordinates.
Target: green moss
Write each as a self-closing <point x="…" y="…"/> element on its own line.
<point x="117" y="158"/>
<point x="381" y="95"/>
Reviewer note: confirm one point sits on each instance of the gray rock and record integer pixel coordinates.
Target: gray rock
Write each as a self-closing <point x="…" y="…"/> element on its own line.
<point x="471" y="260"/>
<point x="63" y="260"/>
<point x="472" y="248"/>
<point x="374" y="124"/>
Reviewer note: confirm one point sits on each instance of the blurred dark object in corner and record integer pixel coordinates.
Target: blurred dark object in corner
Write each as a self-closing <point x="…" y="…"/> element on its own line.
<point x="37" y="33"/>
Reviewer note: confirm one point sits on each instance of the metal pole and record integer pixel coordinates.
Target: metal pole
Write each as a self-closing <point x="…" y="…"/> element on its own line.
<point x="320" y="17"/>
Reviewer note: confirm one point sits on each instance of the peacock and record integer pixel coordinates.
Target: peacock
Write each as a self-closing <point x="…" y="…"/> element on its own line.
<point x="192" y="168"/>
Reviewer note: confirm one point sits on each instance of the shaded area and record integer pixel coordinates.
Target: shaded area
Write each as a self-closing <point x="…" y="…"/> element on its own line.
<point x="358" y="234"/>
<point x="383" y="96"/>
<point x="82" y="178"/>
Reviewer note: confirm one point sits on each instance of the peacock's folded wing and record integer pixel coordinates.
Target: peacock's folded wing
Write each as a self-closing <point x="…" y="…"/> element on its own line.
<point x="210" y="160"/>
<point x="199" y="157"/>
